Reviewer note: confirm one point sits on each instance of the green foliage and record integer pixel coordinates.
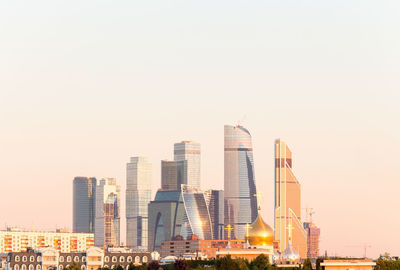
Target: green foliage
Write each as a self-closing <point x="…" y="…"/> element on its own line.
<point x="181" y="265"/>
<point x="153" y="265"/>
<point x="307" y="264"/>
<point x="118" y="267"/>
<point x="260" y="263"/>
<point x="383" y="264"/>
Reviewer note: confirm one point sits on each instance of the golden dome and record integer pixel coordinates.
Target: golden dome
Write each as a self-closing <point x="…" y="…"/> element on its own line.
<point x="260" y="233"/>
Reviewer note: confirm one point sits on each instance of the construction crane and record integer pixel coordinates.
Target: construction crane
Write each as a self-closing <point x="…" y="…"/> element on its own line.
<point x="364" y="246"/>
<point x="309" y="214"/>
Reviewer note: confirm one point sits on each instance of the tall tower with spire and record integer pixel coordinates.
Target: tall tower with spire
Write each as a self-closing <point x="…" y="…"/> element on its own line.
<point x="288" y="202"/>
<point x="239" y="180"/>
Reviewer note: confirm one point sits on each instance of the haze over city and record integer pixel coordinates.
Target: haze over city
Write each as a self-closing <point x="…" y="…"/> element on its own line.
<point x="86" y="85"/>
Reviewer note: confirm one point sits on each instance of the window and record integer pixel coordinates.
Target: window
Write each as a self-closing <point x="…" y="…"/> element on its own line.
<point x="106" y="266"/>
<point x="106" y="259"/>
<point x="129" y="259"/>
<point x="76" y="259"/>
<point x="16" y="267"/>
<point x="114" y="259"/>
<point x="24" y="259"/>
<point x="23" y="267"/>
<point x="38" y="259"/>
<point x="38" y="267"/>
<point x="61" y="259"/>
<point x="144" y="259"/>
<point x="83" y="259"/>
<point x="122" y="259"/>
<point x="137" y="259"/>
<point x="83" y="267"/>
<point x="31" y="259"/>
<point x="69" y="259"/>
<point x="17" y="259"/>
<point x="31" y="267"/>
<point x="60" y="267"/>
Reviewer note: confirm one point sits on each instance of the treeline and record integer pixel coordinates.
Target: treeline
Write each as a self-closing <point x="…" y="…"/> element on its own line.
<point x="225" y="263"/>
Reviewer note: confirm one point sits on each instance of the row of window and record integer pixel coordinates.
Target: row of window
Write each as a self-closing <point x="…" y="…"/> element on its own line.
<point x="25" y="258"/>
<point x="122" y="259"/>
<point x="77" y="259"/>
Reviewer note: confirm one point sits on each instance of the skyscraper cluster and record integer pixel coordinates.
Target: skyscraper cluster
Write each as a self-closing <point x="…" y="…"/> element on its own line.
<point x="180" y="209"/>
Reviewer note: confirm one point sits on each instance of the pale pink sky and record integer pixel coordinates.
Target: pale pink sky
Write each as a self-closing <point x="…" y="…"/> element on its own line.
<point x="85" y="85"/>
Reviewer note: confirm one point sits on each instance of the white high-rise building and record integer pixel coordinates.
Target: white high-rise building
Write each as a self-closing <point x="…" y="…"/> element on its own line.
<point x="138" y="196"/>
<point x="190" y="151"/>
<point x="107" y="222"/>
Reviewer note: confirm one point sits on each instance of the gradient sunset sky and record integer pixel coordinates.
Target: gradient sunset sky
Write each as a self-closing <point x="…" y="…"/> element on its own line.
<point x="84" y="85"/>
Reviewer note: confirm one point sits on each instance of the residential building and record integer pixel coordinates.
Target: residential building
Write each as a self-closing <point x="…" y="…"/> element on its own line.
<point x="189" y="151"/>
<point x="107" y="225"/>
<point x="239" y="180"/>
<point x="91" y="259"/>
<point x="173" y="174"/>
<point x="138" y="196"/>
<point x="288" y="202"/>
<point x="345" y="264"/>
<point x="179" y="247"/>
<point x="15" y="240"/>
<point x="84" y="204"/>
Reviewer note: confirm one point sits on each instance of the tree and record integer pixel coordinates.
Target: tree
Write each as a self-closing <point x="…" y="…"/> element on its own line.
<point x="226" y="263"/>
<point x="153" y="265"/>
<point x="307" y="264"/>
<point x="261" y="262"/>
<point x="73" y="266"/>
<point x="118" y="267"/>
<point x="181" y="265"/>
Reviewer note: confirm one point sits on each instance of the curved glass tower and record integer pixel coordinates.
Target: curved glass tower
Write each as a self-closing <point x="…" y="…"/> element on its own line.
<point x="239" y="180"/>
<point x="197" y="218"/>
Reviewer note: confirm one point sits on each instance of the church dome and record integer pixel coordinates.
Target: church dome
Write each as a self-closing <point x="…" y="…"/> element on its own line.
<point x="260" y="233"/>
<point x="290" y="254"/>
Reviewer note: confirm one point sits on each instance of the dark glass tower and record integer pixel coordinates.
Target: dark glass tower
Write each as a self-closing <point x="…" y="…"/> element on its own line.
<point x="84" y="199"/>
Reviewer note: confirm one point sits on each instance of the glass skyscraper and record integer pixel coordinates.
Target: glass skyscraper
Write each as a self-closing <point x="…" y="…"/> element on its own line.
<point x="173" y="174"/>
<point x="107" y="225"/>
<point x="84" y="201"/>
<point x="215" y="203"/>
<point x="288" y="202"/>
<point x="190" y="151"/>
<point x="138" y="196"/>
<point x="239" y="180"/>
<point x="197" y="218"/>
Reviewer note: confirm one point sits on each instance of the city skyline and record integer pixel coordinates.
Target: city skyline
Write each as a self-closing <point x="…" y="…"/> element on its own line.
<point x="86" y="86"/>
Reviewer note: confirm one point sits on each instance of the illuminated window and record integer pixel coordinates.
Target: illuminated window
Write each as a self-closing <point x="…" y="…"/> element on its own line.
<point x="122" y="259"/>
<point x="114" y="259"/>
<point x="137" y="259"/>
<point x="106" y="259"/>
<point x="129" y="259"/>
<point x="144" y="259"/>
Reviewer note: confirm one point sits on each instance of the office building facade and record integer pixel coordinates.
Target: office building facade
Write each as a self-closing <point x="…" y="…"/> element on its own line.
<point x="174" y="174"/>
<point x="239" y="180"/>
<point x="84" y="204"/>
<point x="288" y="202"/>
<point x="215" y="203"/>
<point x="138" y="196"/>
<point x="165" y="218"/>
<point x="107" y="225"/>
<point x="189" y="151"/>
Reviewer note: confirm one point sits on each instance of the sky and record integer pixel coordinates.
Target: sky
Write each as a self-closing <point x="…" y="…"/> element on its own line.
<point x="85" y="85"/>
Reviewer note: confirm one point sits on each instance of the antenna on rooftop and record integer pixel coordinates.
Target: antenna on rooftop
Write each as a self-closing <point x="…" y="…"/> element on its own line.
<point x="241" y="121"/>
